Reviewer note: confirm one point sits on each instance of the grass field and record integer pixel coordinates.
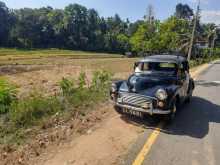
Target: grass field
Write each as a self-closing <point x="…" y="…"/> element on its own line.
<point x="41" y="70"/>
<point x="51" y="52"/>
<point x="17" y="56"/>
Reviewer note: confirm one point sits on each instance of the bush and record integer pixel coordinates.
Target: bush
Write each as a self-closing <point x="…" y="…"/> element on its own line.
<point x="7" y="95"/>
<point x="67" y="87"/>
<point x="101" y="80"/>
<point x="80" y="95"/>
<point x="36" y="108"/>
<point x="31" y="110"/>
<point x="82" y="80"/>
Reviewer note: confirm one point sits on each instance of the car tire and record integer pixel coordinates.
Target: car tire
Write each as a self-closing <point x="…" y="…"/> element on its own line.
<point x="118" y="109"/>
<point x="189" y="97"/>
<point x="170" y="117"/>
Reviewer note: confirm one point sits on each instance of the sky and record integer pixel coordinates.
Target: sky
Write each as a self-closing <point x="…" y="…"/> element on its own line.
<point x="131" y="9"/>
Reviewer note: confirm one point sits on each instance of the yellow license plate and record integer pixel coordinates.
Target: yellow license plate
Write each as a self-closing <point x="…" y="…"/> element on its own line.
<point x="132" y="112"/>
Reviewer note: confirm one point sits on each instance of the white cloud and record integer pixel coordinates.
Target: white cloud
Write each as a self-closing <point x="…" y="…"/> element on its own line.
<point x="210" y="16"/>
<point x="202" y="1"/>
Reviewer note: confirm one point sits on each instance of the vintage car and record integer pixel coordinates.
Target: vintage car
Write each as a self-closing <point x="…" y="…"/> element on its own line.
<point x="159" y="84"/>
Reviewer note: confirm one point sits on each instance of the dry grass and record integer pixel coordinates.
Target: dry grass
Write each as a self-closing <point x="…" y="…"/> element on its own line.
<point x="40" y="70"/>
<point x="18" y="56"/>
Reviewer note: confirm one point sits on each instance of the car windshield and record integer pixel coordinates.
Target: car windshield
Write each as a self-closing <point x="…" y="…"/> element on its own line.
<point x="166" y="68"/>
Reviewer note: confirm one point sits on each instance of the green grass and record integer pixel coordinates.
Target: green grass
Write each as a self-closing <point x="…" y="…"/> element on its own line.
<point x="199" y="61"/>
<point x="7" y="95"/>
<point x="74" y="96"/>
<point x="51" y="52"/>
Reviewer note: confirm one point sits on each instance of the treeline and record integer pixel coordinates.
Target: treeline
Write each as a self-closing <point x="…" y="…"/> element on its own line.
<point x="78" y="28"/>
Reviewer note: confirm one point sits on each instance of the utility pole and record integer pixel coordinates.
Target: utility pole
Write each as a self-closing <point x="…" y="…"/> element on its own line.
<point x="213" y="41"/>
<point x="193" y="32"/>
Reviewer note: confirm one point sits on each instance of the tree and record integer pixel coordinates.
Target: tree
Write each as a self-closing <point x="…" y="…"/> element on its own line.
<point x="134" y="26"/>
<point x="144" y="38"/>
<point x="79" y="28"/>
<point x="208" y="33"/>
<point x="95" y="38"/>
<point x="149" y="17"/>
<point x="26" y="30"/>
<point x="174" y="35"/>
<point x="123" y="43"/>
<point x="76" y="25"/>
<point x="183" y="11"/>
<point x="115" y="29"/>
<point x="7" y="20"/>
<point x="56" y="20"/>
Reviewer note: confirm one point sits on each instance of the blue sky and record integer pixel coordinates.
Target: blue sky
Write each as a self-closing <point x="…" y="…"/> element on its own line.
<point x="132" y="9"/>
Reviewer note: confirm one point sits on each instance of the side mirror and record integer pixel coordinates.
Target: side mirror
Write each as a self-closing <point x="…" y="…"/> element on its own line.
<point x="135" y="65"/>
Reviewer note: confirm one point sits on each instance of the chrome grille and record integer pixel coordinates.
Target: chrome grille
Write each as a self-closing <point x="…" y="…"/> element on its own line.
<point x="136" y="100"/>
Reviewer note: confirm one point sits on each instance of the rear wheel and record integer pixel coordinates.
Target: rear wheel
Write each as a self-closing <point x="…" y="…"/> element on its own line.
<point x="189" y="97"/>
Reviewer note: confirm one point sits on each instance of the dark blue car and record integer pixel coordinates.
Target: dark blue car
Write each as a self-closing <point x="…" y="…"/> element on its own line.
<point x="159" y="84"/>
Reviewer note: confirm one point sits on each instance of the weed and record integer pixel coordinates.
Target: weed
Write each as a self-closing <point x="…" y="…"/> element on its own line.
<point x="7" y="95"/>
<point x="67" y="86"/>
<point x="82" y="80"/>
<point x="30" y="111"/>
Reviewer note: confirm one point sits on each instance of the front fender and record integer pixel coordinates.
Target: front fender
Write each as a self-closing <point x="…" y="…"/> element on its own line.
<point x="173" y="94"/>
<point x="114" y="89"/>
<point x="192" y="83"/>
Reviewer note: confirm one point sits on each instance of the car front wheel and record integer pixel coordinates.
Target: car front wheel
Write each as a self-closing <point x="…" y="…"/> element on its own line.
<point x="118" y="109"/>
<point x="170" y="117"/>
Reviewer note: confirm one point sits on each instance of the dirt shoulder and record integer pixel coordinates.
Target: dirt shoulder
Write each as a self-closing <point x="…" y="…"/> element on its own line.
<point x="105" y="143"/>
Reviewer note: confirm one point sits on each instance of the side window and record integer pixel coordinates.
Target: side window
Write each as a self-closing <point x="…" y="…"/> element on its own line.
<point x="146" y="66"/>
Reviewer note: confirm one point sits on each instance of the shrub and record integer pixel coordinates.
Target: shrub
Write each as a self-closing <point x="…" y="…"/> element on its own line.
<point x="82" y="80"/>
<point x="80" y="95"/>
<point x="101" y="80"/>
<point x="36" y="108"/>
<point x="7" y="95"/>
<point x="67" y="87"/>
<point x="29" y="111"/>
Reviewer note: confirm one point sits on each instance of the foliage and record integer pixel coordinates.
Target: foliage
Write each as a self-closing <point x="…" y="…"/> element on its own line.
<point x="79" y="28"/>
<point x="101" y="80"/>
<point x="30" y="111"/>
<point x="143" y="39"/>
<point x="82" y="80"/>
<point x="67" y="87"/>
<point x="183" y="11"/>
<point x="174" y="35"/>
<point x="7" y="95"/>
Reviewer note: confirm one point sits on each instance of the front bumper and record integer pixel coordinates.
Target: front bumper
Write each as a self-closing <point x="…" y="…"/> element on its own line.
<point x="150" y="111"/>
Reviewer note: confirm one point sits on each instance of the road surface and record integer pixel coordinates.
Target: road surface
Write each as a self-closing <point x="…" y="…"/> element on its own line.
<point x="194" y="136"/>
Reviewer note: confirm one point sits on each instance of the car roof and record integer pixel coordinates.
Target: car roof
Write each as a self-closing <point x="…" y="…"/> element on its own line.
<point x="164" y="58"/>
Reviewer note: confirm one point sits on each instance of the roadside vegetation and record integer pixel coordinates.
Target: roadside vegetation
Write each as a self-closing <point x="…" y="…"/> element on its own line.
<point x="53" y="52"/>
<point x="17" y="115"/>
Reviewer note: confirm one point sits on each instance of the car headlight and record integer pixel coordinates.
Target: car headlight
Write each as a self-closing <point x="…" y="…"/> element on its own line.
<point x="161" y="94"/>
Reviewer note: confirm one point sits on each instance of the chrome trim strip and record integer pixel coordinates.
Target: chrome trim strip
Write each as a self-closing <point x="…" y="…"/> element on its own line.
<point x="150" y="111"/>
<point x="138" y="95"/>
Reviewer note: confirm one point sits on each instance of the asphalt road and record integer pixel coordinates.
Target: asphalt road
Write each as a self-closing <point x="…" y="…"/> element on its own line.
<point x="194" y="136"/>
